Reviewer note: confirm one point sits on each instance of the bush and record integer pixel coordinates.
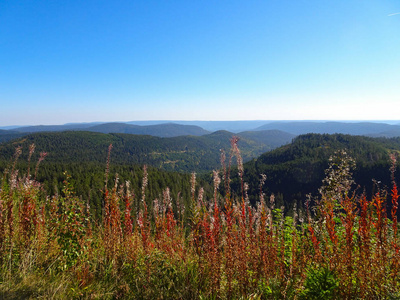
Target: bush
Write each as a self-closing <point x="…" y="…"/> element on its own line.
<point x="320" y="284"/>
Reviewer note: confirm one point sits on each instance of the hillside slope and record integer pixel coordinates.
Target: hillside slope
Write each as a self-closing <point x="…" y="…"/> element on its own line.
<point x="182" y="153"/>
<point x="353" y="128"/>
<point x="297" y="169"/>
<point x="160" y="130"/>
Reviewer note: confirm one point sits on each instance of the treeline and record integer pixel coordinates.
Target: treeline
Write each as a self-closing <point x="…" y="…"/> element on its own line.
<point x="346" y="246"/>
<point x="293" y="171"/>
<point x="180" y="154"/>
<point x="89" y="178"/>
<point x="296" y="170"/>
<point x="83" y="156"/>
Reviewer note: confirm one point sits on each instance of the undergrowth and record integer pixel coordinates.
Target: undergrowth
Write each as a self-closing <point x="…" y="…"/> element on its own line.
<point x="344" y="247"/>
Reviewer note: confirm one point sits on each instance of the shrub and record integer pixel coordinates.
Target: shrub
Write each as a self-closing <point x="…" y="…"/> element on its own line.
<point x="320" y="284"/>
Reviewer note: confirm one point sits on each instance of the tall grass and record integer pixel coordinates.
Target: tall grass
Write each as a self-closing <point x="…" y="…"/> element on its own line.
<point x="345" y="247"/>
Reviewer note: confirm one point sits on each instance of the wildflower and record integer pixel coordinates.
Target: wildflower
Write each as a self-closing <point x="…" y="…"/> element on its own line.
<point x="41" y="158"/>
<point x="108" y="164"/>
<point x="200" y="197"/>
<point x="193" y="184"/>
<point x="217" y="181"/>
<point x="144" y="183"/>
<point x="31" y="150"/>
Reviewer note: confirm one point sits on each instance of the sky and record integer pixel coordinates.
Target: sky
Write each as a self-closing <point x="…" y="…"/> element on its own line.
<point x="95" y="60"/>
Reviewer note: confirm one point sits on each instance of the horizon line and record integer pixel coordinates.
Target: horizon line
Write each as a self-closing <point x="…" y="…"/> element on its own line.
<point x="177" y="120"/>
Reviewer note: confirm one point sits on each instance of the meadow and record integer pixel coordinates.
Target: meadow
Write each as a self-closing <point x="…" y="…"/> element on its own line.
<point x="343" y="245"/>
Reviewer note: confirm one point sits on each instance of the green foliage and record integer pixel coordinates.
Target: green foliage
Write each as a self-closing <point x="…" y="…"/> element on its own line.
<point x="71" y="227"/>
<point x="182" y="153"/>
<point x="297" y="169"/>
<point x="195" y="246"/>
<point x="320" y="284"/>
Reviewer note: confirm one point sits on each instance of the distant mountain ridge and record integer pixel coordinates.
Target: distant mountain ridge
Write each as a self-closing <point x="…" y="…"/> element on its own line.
<point x="212" y="126"/>
<point x="354" y="128"/>
<point x="160" y="130"/>
<point x="42" y="128"/>
<point x="198" y="128"/>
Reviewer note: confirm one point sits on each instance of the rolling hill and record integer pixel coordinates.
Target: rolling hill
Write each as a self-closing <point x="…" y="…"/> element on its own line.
<point x="297" y="169"/>
<point x="46" y="128"/>
<point x="182" y="153"/>
<point x="8" y="135"/>
<point x="353" y="128"/>
<point x="83" y="155"/>
<point x="160" y="130"/>
<point x="198" y="128"/>
<point x="293" y="170"/>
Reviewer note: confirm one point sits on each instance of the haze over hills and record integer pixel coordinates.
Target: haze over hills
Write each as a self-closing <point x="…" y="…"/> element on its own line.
<point x="178" y="128"/>
<point x="232" y="126"/>
<point x="160" y="130"/>
<point x="82" y="154"/>
<point x="68" y="126"/>
<point x="294" y="165"/>
<point x="7" y="135"/>
<point x="395" y="132"/>
<point x="353" y="128"/>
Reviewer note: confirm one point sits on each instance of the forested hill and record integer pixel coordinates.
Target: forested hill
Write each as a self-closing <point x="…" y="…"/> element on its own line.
<point x="297" y="169"/>
<point x="183" y="153"/>
<point x="293" y="170"/>
<point x="8" y="135"/>
<point x="374" y="129"/>
<point x="83" y="155"/>
<point x="160" y="130"/>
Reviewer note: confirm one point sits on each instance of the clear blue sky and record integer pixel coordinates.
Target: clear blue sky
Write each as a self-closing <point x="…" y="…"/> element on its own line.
<point x="94" y="60"/>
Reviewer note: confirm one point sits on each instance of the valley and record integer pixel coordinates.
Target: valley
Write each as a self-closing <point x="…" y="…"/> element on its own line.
<point x="294" y="165"/>
<point x="277" y="203"/>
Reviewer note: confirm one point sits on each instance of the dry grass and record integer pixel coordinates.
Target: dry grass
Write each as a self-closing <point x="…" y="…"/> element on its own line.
<point x="50" y="248"/>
